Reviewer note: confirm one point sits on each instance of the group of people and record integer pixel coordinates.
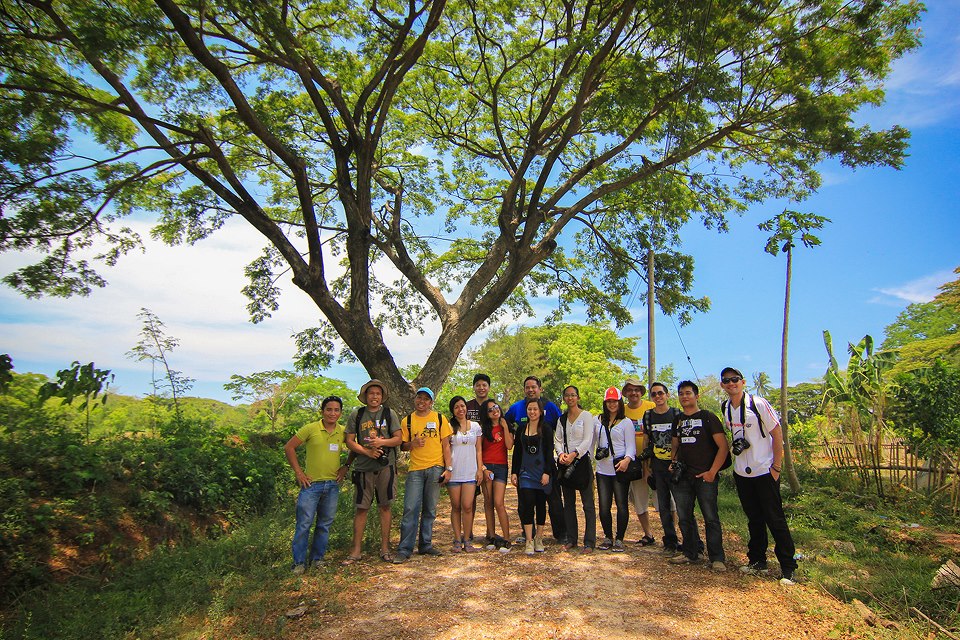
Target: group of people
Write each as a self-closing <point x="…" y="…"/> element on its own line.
<point x="555" y="459"/>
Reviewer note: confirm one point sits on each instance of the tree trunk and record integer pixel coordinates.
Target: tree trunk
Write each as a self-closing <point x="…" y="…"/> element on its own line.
<point x="788" y="468"/>
<point x="651" y="336"/>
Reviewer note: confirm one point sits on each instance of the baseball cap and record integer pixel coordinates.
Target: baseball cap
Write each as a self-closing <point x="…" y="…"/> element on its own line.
<point x="612" y="394"/>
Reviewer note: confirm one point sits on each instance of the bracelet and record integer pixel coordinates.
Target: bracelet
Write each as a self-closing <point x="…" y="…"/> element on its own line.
<point x="777" y="469"/>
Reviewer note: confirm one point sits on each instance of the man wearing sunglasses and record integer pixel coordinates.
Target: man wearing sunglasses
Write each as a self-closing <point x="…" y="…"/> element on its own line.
<point x="758" y="450"/>
<point x="658" y="425"/>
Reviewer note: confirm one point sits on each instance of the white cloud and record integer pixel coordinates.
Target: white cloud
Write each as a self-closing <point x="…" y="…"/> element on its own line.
<point x="922" y="289"/>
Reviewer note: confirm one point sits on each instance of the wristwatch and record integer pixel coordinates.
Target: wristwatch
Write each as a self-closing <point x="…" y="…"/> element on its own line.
<point x="450" y="469"/>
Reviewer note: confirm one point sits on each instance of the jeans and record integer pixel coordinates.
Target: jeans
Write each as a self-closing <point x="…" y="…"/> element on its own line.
<point x="705" y="494"/>
<point x="609" y="490"/>
<point x="761" y="502"/>
<point x="661" y="474"/>
<point x="316" y="502"/>
<point x="421" y="493"/>
<point x="589" y="510"/>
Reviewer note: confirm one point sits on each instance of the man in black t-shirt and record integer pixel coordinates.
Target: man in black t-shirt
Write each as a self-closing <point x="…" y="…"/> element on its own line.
<point x="698" y="441"/>
<point x="658" y="425"/>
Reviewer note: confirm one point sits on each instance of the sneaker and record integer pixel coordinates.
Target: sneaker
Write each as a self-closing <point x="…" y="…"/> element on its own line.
<point x="787" y="578"/>
<point x="505" y="548"/>
<point x="617" y="546"/>
<point x="400" y="559"/>
<point x="718" y="566"/>
<point x="520" y="540"/>
<point x="586" y="551"/>
<point x="669" y="552"/>
<point x="605" y="544"/>
<point x="681" y="559"/>
<point x="491" y="543"/>
<point x="538" y="544"/>
<point x="646" y="541"/>
<point x="299" y="570"/>
<point x="528" y="548"/>
<point x="431" y="551"/>
<point x="755" y="569"/>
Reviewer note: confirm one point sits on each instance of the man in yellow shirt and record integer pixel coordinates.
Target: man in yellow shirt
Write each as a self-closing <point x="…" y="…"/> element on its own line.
<point x="637" y="405"/>
<point x="426" y="435"/>
<point x="319" y="484"/>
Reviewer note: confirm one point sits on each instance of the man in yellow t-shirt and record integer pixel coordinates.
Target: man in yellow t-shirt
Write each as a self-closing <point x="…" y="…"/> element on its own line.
<point x="319" y="484"/>
<point x="634" y="392"/>
<point x="426" y="435"/>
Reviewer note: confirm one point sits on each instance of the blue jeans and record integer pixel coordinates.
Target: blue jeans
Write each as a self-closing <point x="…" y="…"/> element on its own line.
<point x="705" y="494"/>
<point x="421" y="493"/>
<point x="316" y="502"/>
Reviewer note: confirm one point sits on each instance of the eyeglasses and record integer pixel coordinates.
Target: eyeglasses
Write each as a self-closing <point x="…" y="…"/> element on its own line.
<point x="733" y="379"/>
<point x="654" y="394"/>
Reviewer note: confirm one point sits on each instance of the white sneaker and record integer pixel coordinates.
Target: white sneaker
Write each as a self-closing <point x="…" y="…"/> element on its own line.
<point x="529" y="549"/>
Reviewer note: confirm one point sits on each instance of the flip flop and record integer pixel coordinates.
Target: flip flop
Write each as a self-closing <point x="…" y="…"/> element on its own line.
<point x="349" y="560"/>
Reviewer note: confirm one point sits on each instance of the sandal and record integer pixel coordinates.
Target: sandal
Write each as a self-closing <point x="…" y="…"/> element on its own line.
<point x="386" y="557"/>
<point x="350" y="560"/>
<point x="646" y="541"/>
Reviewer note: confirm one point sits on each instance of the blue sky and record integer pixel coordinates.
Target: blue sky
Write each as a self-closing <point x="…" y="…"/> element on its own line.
<point x="893" y="240"/>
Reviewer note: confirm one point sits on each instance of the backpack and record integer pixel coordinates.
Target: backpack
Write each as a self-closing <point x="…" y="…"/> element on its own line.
<point x="747" y="399"/>
<point x="410" y="427"/>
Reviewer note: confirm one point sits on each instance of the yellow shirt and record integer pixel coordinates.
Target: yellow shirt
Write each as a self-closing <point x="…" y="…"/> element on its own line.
<point x="434" y="429"/>
<point x="323" y="450"/>
<point x="636" y="415"/>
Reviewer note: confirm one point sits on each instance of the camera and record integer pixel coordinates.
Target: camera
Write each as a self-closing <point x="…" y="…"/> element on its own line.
<point x="532" y="449"/>
<point x="739" y="446"/>
<point x="384" y="458"/>
<point x="602" y="452"/>
<point x="646" y="454"/>
<point x="566" y="470"/>
<point x="679" y="469"/>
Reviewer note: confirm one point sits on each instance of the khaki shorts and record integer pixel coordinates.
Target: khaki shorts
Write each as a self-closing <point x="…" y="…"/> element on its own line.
<point x="381" y="484"/>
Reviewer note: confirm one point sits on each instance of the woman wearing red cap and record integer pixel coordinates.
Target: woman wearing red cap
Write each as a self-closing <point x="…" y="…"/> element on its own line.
<point x="615" y="439"/>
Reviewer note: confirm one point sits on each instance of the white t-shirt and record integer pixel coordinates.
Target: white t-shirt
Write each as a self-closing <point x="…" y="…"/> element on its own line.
<point x="756" y="460"/>
<point x="622" y="443"/>
<point x="464" y="449"/>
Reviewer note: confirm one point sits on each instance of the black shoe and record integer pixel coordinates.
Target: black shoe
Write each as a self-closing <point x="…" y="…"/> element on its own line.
<point x="431" y="551"/>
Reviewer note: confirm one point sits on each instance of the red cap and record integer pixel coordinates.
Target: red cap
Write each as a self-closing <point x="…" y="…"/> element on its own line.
<point x="612" y="394"/>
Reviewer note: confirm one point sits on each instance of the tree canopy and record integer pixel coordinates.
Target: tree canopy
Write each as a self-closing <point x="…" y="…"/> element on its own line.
<point x="547" y="135"/>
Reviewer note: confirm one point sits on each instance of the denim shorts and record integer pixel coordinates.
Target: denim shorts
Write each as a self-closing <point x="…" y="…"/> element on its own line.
<point x="459" y="484"/>
<point x="499" y="472"/>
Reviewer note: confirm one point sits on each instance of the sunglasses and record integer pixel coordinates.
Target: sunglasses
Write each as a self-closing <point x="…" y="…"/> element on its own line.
<point x="733" y="379"/>
<point x="654" y="394"/>
<point x="493" y="408"/>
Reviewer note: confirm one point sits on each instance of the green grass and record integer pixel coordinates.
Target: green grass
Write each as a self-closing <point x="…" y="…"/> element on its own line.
<point x="855" y="545"/>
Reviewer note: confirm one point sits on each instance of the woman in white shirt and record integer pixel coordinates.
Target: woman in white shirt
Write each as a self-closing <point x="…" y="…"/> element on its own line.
<point x="573" y="442"/>
<point x="615" y="439"/>
<point x="468" y="472"/>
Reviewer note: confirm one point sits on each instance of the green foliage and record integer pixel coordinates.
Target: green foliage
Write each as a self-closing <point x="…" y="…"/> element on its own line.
<point x="587" y="136"/>
<point x="6" y="367"/>
<point x="926" y="407"/>
<point x="156" y="346"/>
<point x="560" y="355"/>
<point x="921" y="321"/>
<point x="61" y="492"/>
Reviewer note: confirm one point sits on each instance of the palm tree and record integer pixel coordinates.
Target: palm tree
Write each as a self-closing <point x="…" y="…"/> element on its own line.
<point x="761" y="383"/>
<point x="785" y="228"/>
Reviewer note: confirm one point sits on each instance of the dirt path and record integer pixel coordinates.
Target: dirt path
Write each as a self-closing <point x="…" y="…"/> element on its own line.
<point x="559" y="594"/>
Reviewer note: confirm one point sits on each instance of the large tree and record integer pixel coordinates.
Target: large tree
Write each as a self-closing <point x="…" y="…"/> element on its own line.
<point x="342" y="130"/>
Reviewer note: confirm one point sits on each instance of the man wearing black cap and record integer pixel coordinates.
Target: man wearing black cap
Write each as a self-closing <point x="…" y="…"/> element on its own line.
<point x="758" y="450"/>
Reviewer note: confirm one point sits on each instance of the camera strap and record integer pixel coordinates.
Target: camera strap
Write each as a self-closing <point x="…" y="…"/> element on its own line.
<point x="747" y="399"/>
